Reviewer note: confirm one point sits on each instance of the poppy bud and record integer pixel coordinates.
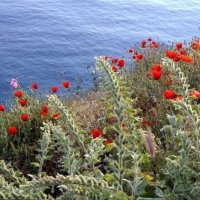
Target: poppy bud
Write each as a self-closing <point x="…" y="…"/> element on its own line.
<point x="169" y="94"/>
<point x="12" y="130"/>
<point x="34" y="86"/>
<point x="96" y="133"/>
<point x="156" y="74"/>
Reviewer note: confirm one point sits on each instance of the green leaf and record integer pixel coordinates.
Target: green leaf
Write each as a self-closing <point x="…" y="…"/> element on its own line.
<point x="130" y="110"/>
<point x="108" y="106"/>
<point x="108" y="128"/>
<point x="106" y="193"/>
<point x="17" y="173"/>
<point x="141" y="186"/>
<point x="48" y="157"/>
<point x="99" y="174"/>
<point x="128" y="100"/>
<point x="159" y="192"/>
<point x="145" y="158"/>
<point x="179" y="118"/>
<point x="109" y="147"/>
<point x="82" y="131"/>
<point x="108" y="98"/>
<point x="177" y="140"/>
<point x="109" y="115"/>
<point x="43" y="174"/>
<point x="96" y="191"/>
<point x="87" y="140"/>
<point x="94" y="160"/>
<point x="121" y="195"/>
<point x="109" y="178"/>
<point x="172" y="119"/>
<point x="13" y="147"/>
<point x="195" y="107"/>
<point x="38" y="157"/>
<point x="121" y="83"/>
<point x="35" y="164"/>
<point x="125" y="93"/>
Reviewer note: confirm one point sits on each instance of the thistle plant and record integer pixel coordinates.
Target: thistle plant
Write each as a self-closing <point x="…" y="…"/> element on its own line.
<point x="126" y="167"/>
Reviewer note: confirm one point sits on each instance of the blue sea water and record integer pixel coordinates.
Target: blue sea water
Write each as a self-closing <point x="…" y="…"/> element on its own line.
<point x="42" y="38"/>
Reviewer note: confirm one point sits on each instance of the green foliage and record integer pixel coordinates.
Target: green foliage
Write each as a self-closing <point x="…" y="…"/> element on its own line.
<point x="130" y="159"/>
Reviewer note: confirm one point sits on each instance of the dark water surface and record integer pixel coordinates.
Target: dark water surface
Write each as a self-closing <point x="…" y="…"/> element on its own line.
<point x="41" y="38"/>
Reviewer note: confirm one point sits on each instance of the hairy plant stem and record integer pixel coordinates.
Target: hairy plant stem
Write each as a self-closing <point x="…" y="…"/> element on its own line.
<point x="70" y="121"/>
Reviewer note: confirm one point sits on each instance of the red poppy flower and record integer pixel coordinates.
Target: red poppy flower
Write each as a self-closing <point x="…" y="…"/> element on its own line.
<point x="178" y="45"/>
<point x="170" y="54"/>
<point x="176" y="58"/>
<point x="114" y="60"/>
<point x="187" y="58"/>
<point x="2" y="108"/>
<point x="45" y="108"/>
<point x="44" y="114"/>
<point x="143" y="46"/>
<point x="143" y="42"/>
<point x="195" y="44"/>
<point x="114" y="68"/>
<point x="121" y="63"/>
<point x="156" y="74"/>
<point x="156" y="68"/>
<point x="23" y="102"/>
<point x="54" y="89"/>
<point x="55" y="115"/>
<point x="12" y="130"/>
<point x="107" y="142"/>
<point x="34" y="86"/>
<point x="66" y="84"/>
<point x="140" y="56"/>
<point x="130" y="50"/>
<point x="153" y="46"/>
<point x="148" y="74"/>
<point x="134" y="56"/>
<point x="24" y="117"/>
<point x="136" y="53"/>
<point x="182" y="52"/>
<point x="149" y="39"/>
<point x="96" y="133"/>
<point x="18" y="94"/>
<point x="106" y="57"/>
<point x="169" y="94"/>
<point x="195" y="93"/>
